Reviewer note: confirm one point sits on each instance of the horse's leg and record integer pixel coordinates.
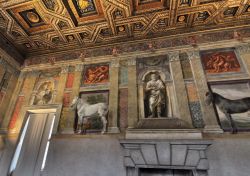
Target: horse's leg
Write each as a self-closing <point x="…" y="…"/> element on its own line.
<point x="83" y="127"/>
<point x="232" y="123"/>
<point x="79" y="124"/>
<point x="104" y="123"/>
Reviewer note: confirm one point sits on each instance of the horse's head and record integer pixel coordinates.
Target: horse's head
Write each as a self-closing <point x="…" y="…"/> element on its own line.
<point x="74" y="103"/>
<point x="209" y="98"/>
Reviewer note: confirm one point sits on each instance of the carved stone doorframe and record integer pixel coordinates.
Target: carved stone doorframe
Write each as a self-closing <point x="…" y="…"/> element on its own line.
<point x="166" y="154"/>
<point x="26" y="110"/>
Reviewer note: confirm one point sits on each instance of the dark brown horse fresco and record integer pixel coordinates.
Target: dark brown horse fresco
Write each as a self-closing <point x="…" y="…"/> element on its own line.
<point x="228" y="106"/>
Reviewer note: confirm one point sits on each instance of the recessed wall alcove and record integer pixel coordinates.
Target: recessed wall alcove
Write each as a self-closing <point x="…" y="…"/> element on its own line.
<point x="165" y="157"/>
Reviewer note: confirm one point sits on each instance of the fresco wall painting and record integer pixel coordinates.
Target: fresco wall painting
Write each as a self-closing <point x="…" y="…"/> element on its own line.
<point x="94" y="123"/>
<point x="16" y="112"/>
<point x="95" y="74"/>
<point x="233" y="90"/>
<point x="45" y="87"/>
<point x="221" y="61"/>
<point x="226" y="63"/>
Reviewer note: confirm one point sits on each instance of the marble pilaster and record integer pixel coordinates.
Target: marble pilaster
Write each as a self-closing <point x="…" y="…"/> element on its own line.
<point x="2" y="71"/>
<point x="75" y="92"/>
<point x="29" y="84"/>
<point x="132" y="94"/>
<point x="13" y="99"/>
<point x="8" y="95"/>
<point x="244" y="51"/>
<point x="208" y="113"/>
<point x="77" y="80"/>
<point x="180" y="89"/>
<point x="113" y="97"/>
<point x="61" y="84"/>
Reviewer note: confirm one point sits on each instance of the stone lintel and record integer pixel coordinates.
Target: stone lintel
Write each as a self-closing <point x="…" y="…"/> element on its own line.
<point x="165" y="154"/>
<point x="163" y="134"/>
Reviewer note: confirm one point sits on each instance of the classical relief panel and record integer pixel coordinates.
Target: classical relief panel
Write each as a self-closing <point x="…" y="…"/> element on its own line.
<point x="95" y="74"/>
<point x="221" y="61"/>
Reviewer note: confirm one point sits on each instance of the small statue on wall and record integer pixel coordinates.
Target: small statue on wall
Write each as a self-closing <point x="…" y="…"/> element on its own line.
<point x="155" y="100"/>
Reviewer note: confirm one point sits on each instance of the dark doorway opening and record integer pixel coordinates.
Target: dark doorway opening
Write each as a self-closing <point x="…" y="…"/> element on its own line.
<point x="164" y="172"/>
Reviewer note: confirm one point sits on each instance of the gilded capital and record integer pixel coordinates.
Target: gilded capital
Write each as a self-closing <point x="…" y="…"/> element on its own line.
<point x="65" y="69"/>
<point x="194" y="54"/>
<point x="243" y="49"/>
<point x="173" y="56"/>
<point x="79" y="68"/>
<point x="132" y="62"/>
<point x="115" y="63"/>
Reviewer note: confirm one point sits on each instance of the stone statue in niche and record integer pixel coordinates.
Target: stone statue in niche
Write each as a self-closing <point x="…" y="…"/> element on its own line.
<point x="155" y="97"/>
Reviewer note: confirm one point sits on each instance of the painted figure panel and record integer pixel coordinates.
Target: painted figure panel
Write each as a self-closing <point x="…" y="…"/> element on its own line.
<point x="215" y="62"/>
<point x="92" y="122"/>
<point x="44" y="93"/>
<point x="95" y="74"/>
<point x="233" y="91"/>
<point x="45" y="87"/>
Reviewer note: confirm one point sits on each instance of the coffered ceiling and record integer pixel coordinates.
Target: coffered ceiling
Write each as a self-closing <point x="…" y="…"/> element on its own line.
<point x="44" y="26"/>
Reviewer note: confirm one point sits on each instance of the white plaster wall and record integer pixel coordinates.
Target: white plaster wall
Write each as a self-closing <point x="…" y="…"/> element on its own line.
<point x="85" y="157"/>
<point x="229" y="157"/>
<point x="102" y="156"/>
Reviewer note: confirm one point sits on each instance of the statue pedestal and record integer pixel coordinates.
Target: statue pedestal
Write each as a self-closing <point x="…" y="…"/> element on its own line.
<point x="162" y="128"/>
<point x="162" y="123"/>
<point x="163" y="134"/>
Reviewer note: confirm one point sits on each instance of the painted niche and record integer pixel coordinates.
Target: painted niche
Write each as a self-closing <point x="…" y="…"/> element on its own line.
<point x="44" y="93"/>
<point x="45" y="87"/>
<point x="155" y="87"/>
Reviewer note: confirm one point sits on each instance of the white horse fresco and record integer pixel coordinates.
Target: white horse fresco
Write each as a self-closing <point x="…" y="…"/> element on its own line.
<point x="86" y="111"/>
